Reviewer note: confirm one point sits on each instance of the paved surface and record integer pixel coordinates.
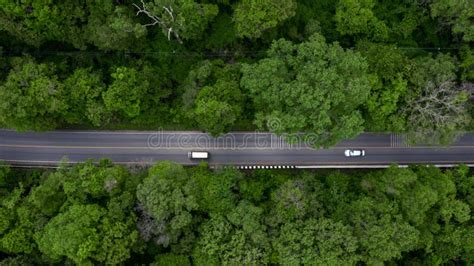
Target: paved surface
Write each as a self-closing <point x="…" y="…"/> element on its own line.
<point x="238" y="149"/>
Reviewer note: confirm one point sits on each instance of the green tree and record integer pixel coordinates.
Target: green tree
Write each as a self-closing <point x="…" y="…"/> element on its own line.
<point x="36" y="22"/>
<point x="388" y="90"/>
<point x="19" y="223"/>
<point x="126" y="93"/>
<point x="216" y="194"/>
<point x="72" y="234"/>
<point x="253" y="17"/>
<point x="107" y="192"/>
<point x="212" y="96"/>
<point x="452" y="243"/>
<point x="296" y="199"/>
<point x="218" y="107"/>
<point x="355" y="17"/>
<point x="239" y="238"/>
<point x="467" y="63"/>
<point x="106" y="24"/>
<point x="464" y="184"/>
<point x="88" y="182"/>
<point x="19" y="238"/>
<point x="427" y="199"/>
<point x="111" y="27"/>
<point x="312" y="87"/>
<point x="459" y="14"/>
<point x="416" y="193"/>
<point x="118" y="238"/>
<point x="202" y="74"/>
<point x="84" y="92"/>
<point x="260" y="185"/>
<point x="318" y="242"/>
<point x="32" y="97"/>
<point x="49" y="196"/>
<point x="166" y="199"/>
<point x="382" y="233"/>
<point x="404" y="21"/>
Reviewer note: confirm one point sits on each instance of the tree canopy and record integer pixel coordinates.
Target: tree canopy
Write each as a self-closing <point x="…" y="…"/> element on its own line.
<point x="170" y="215"/>
<point x="312" y="87"/>
<point x="326" y="70"/>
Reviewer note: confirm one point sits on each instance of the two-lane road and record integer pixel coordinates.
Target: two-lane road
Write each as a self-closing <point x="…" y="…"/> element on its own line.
<point x="240" y="148"/>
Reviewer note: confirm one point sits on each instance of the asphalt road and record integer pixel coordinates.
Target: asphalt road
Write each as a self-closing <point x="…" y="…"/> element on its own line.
<point x="240" y="149"/>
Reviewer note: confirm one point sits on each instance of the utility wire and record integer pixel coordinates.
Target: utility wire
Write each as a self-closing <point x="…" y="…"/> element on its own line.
<point x="188" y="53"/>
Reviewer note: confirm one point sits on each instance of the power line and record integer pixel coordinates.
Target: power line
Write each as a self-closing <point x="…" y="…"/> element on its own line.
<point x="185" y="53"/>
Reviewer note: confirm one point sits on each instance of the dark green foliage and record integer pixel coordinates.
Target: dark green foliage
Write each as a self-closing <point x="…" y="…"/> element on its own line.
<point x="237" y="238"/>
<point x="77" y="226"/>
<point x="358" y="19"/>
<point x="459" y="14"/>
<point x="4" y="171"/>
<point x="177" y="65"/>
<point x="171" y="260"/>
<point x="166" y="200"/>
<point x="252" y="17"/>
<point x="125" y="93"/>
<point x="212" y="96"/>
<point x="312" y="87"/>
<point x="388" y="88"/>
<point x="112" y="27"/>
<point x="216" y="190"/>
<point x="467" y="63"/>
<point x="328" y="69"/>
<point x="168" y="215"/>
<point x="32" y="97"/>
<point x="436" y="107"/>
<point x="322" y="242"/>
<point x="84" y="89"/>
<point x="84" y="214"/>
<point x="36" y="22"/>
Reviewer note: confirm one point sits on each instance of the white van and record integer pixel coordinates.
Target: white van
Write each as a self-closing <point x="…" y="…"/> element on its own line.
<point x="198" y="155"/>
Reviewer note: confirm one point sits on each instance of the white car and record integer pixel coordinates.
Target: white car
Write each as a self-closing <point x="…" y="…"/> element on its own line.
<point x="198" y="155"/>
<point x="354" y="153"/>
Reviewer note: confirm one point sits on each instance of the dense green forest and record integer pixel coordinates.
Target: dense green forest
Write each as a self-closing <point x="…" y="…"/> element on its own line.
<point x="334" y="68"/>
<point x="169" y="215"/>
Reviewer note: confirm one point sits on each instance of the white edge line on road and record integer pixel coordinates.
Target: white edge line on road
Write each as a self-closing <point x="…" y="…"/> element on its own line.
<point x="437" y="164"/>
<point x="374" y="166"/>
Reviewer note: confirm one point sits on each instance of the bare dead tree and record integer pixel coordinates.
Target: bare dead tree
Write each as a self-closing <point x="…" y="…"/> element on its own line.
<point x="469" y="88"/>
<point x="151" y="228"/>
<point x="146" y="225"/>
<point x="110" y="184"/>
<point x="165" y="24"/>
<point x="438" y="103"/>
<point x="140" y="165"/>
<point x="439" y="110"/>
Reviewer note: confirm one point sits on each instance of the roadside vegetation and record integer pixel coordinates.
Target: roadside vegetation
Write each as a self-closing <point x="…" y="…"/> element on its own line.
<point x="331" y="68"/>
<point x="97" y="214"/>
